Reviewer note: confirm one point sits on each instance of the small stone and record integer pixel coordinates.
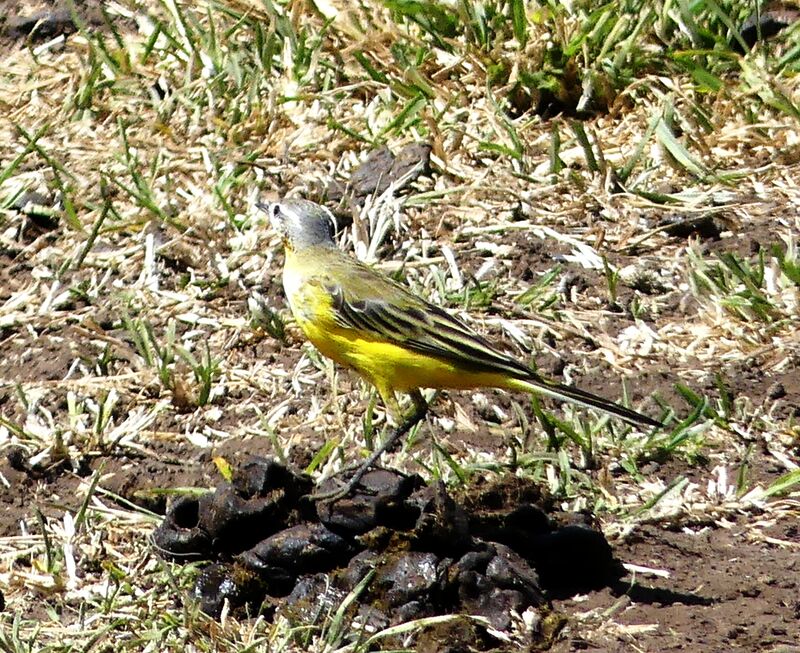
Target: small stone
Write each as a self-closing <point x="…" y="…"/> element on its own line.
<point x="17" y="459"/>
<point x="734" y="632"/>
<point x="180" y="535"/>
<point x="414" y="155"/>
<point x="766" y="22"/>
<point x="289" y="553"/>
<point x="517" y="528"/>
<point x="508" y="570"/>
<point x="311" y="596"/>
<point x="776" y="391"/>
<point x="372" y="176"/>
<point x="410" y="575"/>
<point x="263" y="498"/>
<point x="574" y="559"/>
<point x="443" y="525"/>
<point x="379" y="500"/>
<point x="381" y="168"/>
<point x="42" y="25"/>
<point x="709" y="226"/>
<point x="220" y="582"/>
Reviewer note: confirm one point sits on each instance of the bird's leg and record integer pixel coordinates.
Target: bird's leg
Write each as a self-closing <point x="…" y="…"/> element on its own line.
<point x="420" y="410"/>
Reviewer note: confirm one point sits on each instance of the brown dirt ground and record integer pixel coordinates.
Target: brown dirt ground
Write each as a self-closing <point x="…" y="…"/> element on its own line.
<point x="727" y="591"/>
<point x="732" y="582"/>
<point x="730" y="588"/>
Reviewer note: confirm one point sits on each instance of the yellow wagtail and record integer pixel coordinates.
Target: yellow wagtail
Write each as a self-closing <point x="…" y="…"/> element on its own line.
<point x="396" y="340"/>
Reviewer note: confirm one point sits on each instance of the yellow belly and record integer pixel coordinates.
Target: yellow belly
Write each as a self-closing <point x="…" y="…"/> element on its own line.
<point x="391" y="366"/>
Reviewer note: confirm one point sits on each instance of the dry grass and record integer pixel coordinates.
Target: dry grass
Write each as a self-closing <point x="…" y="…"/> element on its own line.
<point x="140" y="287"/>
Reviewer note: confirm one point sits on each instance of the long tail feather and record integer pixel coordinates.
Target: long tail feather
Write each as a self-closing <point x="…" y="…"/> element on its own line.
<point x="582" y="398"/>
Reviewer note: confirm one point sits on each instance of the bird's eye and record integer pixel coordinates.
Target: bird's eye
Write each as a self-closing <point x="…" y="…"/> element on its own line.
<point x="275" y="211"/>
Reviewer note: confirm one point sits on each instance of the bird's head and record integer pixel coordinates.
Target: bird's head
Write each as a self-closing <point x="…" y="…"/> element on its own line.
<point x="300" y="223"/>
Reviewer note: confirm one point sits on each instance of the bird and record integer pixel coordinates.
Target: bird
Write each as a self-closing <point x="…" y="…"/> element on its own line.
<point x="395" y="339"/>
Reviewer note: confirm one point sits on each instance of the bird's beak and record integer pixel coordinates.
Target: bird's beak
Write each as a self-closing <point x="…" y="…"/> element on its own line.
<point x="274" y="220"/>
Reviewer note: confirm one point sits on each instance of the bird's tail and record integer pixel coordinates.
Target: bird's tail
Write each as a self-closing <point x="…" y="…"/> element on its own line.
<point x="582" y="398"/>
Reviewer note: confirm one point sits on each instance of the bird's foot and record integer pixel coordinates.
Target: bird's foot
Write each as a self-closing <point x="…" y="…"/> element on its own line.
<point x="343" y="489"/>
<point x="391" y="440"/>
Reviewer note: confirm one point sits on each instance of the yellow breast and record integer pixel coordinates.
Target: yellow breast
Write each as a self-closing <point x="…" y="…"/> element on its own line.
<point x="312" y="307"/>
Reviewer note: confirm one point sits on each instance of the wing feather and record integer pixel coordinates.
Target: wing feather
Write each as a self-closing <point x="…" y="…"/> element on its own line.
<point x="391" y="313"/>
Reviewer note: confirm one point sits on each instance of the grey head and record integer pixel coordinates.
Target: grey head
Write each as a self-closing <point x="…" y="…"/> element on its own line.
<point x="301" y="223"/>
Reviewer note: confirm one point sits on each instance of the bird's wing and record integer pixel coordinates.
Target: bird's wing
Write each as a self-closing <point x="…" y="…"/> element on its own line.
<point x="366" y="301"/>
<point x="377" y="308"/>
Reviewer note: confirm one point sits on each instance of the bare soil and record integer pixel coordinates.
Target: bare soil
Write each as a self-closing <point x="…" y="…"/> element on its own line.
<point x="726" y="591"/>
<point x="723" y="577"/>
<point x="730" y="586"/>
